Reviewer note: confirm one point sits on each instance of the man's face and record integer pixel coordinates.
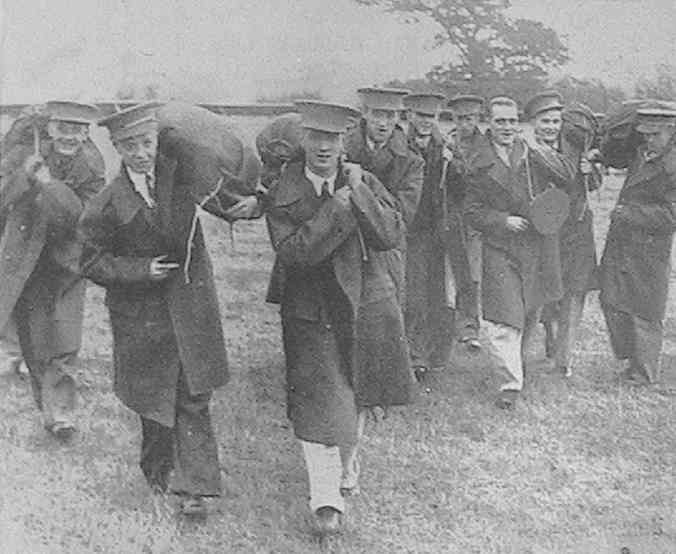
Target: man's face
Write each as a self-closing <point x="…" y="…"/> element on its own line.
<point x="138" y="151"/>
<point x="657" y="140"/>
<point x="322" y="151"/>
<point x="466" y="123"/>
<point x="423" y="123"/>
<point x="67" y="136"/>
<point x="504" y="124"/>
<point x="547" y="126"/>
<point x="380" y="124"/>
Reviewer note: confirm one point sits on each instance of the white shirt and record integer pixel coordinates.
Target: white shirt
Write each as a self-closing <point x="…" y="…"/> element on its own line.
<point x="318" y="181"/>
<point x="141" y="186"/>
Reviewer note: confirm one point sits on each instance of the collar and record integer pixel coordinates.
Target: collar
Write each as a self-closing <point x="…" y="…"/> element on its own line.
<point x="503" y="152"/>
<point x="318" y="181"/>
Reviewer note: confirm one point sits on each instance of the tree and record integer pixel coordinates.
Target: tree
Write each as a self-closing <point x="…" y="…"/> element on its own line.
<point x="490" y="53"/>
<point x="662" y="87"/>
<point x="591" y="92"/>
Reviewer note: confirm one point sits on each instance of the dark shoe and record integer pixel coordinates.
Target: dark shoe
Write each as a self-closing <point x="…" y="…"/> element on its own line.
<point x="565" y="370"/>
<point x="194" y="507"/>
<point x="420" y="372"/>
<point x="507" y="399"/>
<point x="328" y="520"/>
<point x="62" y="430"/>
<point x="634" y="376"/>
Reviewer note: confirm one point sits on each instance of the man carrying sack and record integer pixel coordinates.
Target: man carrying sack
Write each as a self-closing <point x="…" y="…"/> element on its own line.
<point x="143" y="242"/>
<point x="636" y="263"/>
<point x="331" y="225"/>
<point x="50" y="170"/>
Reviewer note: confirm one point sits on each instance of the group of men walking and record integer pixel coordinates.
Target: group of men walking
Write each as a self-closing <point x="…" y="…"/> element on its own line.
<point x="388" y="245"/>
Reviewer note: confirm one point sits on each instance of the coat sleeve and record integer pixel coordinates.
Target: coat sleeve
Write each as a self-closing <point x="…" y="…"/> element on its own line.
<point x="410" y="189"/>
<point x="478" y="212"/>
<point x="559" y="168"/>
<point x="377" y="214"/>
<point x="314" y="240"/>
<point x="64" y="205"/>
<point x="96" y="230"/>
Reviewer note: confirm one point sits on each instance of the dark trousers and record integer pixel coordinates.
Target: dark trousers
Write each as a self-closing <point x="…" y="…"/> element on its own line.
<point x="635" y="339"/>
<point x="189" y="447"/>
<point x="53" y="388"/>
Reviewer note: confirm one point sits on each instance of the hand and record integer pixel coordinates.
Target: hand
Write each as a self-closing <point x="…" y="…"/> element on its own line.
<point x="353" y="172"/>
<point x="585" y="166"/>
<point x="36" y="169"/>
<point x="517" y="224"/>
<point x="343" y="196"/>
<point x="244" y="209"/>
<point x="159" y="269"/>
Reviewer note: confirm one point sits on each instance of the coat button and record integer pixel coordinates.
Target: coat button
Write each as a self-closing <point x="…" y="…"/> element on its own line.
<point x="22" y="228"/>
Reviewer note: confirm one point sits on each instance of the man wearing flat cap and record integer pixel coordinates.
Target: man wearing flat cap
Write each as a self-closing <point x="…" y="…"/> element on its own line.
<point x="429" y="319"/>
<point x="380" y="146"/>
<point x="521" y="265"/>
<point x="463" y="143"/>
<point x="331" y="225"/>
<point x="570" y="131"/>
<point x="144" y="244"/>
<point x="50" y="170"/>
<point x="636" y="262"/>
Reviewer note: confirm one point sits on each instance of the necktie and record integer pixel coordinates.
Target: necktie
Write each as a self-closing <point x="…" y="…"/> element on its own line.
<point x="150" y="184"/>
<point x="326" y="193"/>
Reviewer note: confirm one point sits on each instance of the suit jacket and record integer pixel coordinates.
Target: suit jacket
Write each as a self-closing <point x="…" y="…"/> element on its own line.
<point x="636" y="261"/>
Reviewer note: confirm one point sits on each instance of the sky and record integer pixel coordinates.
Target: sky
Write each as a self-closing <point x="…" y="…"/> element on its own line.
<point x="239" y="50"/>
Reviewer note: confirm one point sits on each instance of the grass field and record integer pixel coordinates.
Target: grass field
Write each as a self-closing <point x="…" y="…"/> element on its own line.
<point x="584" y="465"/>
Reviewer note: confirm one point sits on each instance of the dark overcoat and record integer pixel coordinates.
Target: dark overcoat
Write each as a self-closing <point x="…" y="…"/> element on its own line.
<point x="121" y="237"/>
<point x="636" y="262"/>
<point x="401" y="170"/>
<point x="39" y="249"/>
<point x="578" y="249"/>
<point x="521" y="271"/>
<point x="342" y="327"/>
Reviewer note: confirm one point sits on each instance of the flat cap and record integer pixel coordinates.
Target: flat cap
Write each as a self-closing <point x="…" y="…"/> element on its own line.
<point x="656" y="116"/>
<point x="73" y="112"/>
<point x="543" y="102"/>
<point x="325" y="116"/>
<point x="132" y="121"/>
<point x="383" y="98"/>
<point x="425" y="103"/>
<point x="466" y="103"/>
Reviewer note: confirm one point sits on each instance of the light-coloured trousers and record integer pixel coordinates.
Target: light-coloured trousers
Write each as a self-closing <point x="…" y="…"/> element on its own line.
<point x="331" y="468"/>
<point x="508" y="347"/>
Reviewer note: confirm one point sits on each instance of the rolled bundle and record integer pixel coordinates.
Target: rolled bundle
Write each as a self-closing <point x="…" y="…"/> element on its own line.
<point x="211" y="155"/>
<point x="620" y="140"/>
<point x="280" y="140"/>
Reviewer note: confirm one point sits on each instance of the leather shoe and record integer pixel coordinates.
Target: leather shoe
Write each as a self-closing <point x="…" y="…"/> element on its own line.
<point x="328" y="520"/>
<point x="507" y="399"/>
<point x="194" y="507"/>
